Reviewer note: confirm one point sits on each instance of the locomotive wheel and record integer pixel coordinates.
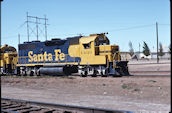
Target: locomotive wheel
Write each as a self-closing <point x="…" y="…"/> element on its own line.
<point x="126" y="71"/>
<point x="84" y="74"/>
<point x="105" y="74"/>
<point x="31" y="73"/>
<point x="38" y="73"/>
<point x="117" y="75"/>
<point x="24" y="74"/>
<point x="94" y="74"/>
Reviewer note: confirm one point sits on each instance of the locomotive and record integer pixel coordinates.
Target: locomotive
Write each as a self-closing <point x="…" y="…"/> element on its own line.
<point x="8" y="59"/>
<point x="86" y="55"/>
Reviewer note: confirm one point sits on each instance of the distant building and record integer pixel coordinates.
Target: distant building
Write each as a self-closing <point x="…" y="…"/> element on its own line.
<point x="140" y="55"/>
<point x="153" y="55"/>
<point x="125" y="56"/>
<point x="165" y="56"/>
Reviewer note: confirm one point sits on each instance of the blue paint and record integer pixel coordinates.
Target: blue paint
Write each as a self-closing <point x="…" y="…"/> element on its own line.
<point x="41" y="47"/>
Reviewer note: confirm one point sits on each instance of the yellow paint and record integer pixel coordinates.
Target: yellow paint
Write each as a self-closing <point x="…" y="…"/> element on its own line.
<point x="87" y="56"/>
<point x="44" y="57"/>
<point x="86" y="40"/>
<point x="108" y="50"/>
<point x="50" y="57"/>
<point x="40" y="57"/>
<point x="59" y="55"/>
<point x="35" y="58"/>
<point x="74" y="50"/>
<point x="36" y="64"/>
<point x="95" y="55"/>
<point x="30" y="56"/>
<point x="62" y="56"/>
<point x="8" y="56"/>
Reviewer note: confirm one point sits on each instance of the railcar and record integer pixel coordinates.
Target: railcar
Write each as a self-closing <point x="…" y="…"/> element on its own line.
<point x="86" y="55"/>
<point x="8" y="59"/>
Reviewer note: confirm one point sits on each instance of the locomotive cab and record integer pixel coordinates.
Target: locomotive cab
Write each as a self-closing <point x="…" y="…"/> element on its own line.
<point x="100" y="57"/>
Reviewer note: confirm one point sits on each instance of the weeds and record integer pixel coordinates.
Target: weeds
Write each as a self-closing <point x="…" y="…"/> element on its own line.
<point x="124" y="86"/>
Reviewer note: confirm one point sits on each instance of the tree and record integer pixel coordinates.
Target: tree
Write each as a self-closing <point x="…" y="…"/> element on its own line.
<point x="146" y="50"/>
<point x="131" y="50"/>
<point x="160" y="53"/>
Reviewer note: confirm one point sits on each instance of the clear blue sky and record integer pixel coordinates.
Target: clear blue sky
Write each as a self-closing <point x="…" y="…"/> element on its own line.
<point x="125" y="20"/>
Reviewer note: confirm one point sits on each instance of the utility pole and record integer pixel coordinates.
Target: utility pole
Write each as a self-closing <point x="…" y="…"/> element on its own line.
<point x="157" y="41"/>
<point x="37" y="22"/>
<point x="139" y="48"/>
<point x="37" y="27"/>
<point x="0" y="22"/>
<point x="45" y="28"/>
<point x="27" y="27"/>
<point x="19" y="38"/>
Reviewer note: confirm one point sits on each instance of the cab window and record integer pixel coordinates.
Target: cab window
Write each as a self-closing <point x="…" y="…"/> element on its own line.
<point x="87" y="46"/>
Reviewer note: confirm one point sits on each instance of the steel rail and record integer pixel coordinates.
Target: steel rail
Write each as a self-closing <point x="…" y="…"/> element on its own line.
<point x="148" y="63"/>
<point x="148" y="71"/>
<point x="63" y="108"/>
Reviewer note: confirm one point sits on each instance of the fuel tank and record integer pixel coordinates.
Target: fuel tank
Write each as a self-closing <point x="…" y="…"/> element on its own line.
<point x="54" y="71"/>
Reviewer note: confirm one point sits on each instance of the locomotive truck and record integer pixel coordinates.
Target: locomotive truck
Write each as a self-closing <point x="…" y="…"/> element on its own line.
<point x="86" y="55"/>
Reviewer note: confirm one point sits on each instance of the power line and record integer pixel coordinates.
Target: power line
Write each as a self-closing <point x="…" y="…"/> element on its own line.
<point x="36" y="22"/>
<point x="128" y="28"/>
<point x="21" y="25"/>
<point x="113" y="30"/>
<point x="134" y="27"/>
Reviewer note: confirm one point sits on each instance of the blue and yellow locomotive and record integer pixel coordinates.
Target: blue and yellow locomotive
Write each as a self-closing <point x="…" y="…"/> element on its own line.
<point x="86" y="55"/>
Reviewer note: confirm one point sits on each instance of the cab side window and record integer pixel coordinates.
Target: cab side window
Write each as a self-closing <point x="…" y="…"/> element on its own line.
<point x="87" y="46"/>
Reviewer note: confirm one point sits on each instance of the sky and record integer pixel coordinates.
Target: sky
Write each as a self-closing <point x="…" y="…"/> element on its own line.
<point x="124" y="20"/>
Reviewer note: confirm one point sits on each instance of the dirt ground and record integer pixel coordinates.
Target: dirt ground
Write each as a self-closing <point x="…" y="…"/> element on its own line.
<point x="145" y="65"/>
<point x="123" y="93"/>
<point x="149" y="94"/>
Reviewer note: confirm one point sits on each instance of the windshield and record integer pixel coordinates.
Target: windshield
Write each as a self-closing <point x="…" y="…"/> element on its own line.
<point x="101" y="41"/>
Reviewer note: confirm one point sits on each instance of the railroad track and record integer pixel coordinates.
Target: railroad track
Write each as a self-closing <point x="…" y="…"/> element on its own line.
<point x="149" y="71"/>
<point x="23" y="106"/>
